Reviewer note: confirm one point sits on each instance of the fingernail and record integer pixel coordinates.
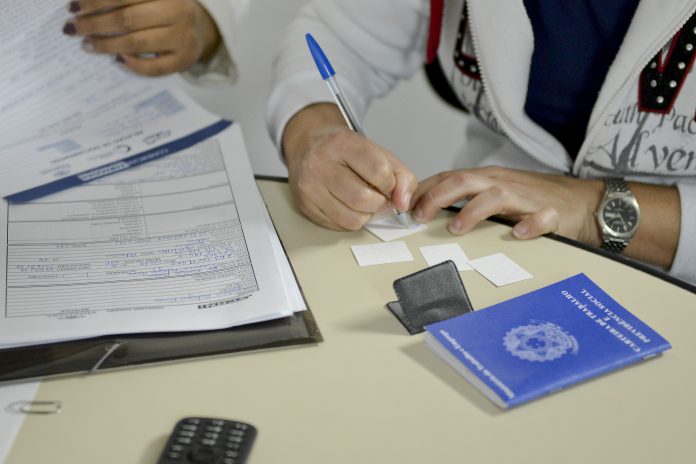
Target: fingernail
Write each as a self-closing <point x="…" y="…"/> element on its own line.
<point x="407" y="199"/>
<point x="74" y="7"/>
<point x="69" y="29"/>
<point x="87" y="46"/>
<point x="520" y="230"/>
<point x="119" y="59"/>
<point x="455" y="227"/>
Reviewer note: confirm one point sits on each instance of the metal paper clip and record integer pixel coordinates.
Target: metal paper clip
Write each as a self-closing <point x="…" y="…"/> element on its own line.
<point x="35" y="407"/>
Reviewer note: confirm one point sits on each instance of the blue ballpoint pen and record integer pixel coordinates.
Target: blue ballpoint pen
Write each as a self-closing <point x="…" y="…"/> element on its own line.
<point x="329" y="76"/>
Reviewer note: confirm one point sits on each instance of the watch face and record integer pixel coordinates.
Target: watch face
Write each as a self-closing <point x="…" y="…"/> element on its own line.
<point x="620" y="215"/>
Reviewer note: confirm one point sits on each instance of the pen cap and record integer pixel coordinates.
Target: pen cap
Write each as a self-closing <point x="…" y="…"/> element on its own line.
<point x="325" y="68"/>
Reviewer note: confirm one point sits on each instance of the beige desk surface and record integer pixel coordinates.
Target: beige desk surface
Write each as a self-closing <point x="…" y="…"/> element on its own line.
<point x="370" y="393"/>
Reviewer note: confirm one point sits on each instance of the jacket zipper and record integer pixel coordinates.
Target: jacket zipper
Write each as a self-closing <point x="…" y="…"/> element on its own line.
<point x="518" y="141"/>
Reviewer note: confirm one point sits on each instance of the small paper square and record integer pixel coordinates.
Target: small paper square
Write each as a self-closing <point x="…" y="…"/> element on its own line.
<point x="381" y="253"/>
<point x="436" y="254"/>
<point x="389" y="228"/>
<point x="500" y="269"/>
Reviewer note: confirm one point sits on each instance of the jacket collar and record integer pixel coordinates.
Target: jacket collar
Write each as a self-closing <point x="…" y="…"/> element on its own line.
<point x="653" y="24"/>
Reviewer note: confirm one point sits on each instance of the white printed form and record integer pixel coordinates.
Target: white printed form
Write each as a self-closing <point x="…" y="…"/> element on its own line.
<point x="66" y="112"/>
<point x="181" y="243"/>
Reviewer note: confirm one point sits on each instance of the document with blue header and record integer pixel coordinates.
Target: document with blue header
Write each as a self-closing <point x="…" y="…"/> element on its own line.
<point x="182" y="243"/>
<point x="544" y="341"/>
<point x="68" y="117"/>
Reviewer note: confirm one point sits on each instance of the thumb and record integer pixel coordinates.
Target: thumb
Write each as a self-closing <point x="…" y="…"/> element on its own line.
<point x="540" y="223"/>
<point x="406" y="184"/>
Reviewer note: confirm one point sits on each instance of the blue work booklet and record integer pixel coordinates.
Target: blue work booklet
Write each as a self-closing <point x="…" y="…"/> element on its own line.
<point x="544" y="341"/>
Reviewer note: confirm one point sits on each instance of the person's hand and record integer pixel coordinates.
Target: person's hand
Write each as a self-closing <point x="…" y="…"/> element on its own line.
<point x="150" y="37"/>
<point x="340" y="178"/>
<point x="537" y="203"/>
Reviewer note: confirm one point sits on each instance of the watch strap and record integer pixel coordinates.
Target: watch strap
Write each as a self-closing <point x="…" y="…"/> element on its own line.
<point x="615" y="246"/>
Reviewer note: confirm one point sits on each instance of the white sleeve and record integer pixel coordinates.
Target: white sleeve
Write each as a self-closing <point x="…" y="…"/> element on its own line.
<point x="371" y="45"/>
<point x="684" y="265"/>
<point x="221" y="67"/>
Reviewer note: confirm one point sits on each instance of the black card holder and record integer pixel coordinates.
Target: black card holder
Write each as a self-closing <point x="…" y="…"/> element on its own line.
<point x="428" y="296"/>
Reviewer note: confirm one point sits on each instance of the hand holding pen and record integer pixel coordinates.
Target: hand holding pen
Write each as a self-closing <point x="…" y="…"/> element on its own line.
<point x="340" y="177"/>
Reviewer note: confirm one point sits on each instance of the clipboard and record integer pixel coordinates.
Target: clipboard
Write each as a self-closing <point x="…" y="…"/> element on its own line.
<point x="130" y="350"/>
<point x="121" y="351"/>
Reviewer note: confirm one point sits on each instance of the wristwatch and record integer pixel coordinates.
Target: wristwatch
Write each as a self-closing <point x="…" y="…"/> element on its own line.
<point x="618" y="215"/>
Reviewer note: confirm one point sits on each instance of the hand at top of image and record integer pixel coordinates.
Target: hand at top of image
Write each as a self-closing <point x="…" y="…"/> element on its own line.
<point x="150" y="37"/>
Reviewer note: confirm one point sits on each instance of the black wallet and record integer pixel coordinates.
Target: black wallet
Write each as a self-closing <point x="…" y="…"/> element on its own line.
<point x="431" y="295"/>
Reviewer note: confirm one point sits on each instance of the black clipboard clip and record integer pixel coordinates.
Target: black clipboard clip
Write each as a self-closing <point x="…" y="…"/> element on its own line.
<point x="110" y="349"/>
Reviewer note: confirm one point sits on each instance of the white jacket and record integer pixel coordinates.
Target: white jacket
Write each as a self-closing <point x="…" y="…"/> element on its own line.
<point x="221" y="67"/>
<point x="647" y="136"/>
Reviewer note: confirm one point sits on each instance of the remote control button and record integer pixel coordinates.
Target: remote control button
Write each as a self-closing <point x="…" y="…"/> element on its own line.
<point x="187" y="433"/>
<point x="190" y="427"/>
<point x="212" y="435"/>
<point x="174" y="455"/>
<point x="177" y="448"/>
<point x="229" y="461"/>
<point x="193" y="421"/>
<point x="202" y="455"/>
<point x="208" y="442"/>
<point x="241" y="426"/>
<point x="214" y="428"/>
<point x="233" y="438"/>
<point x="231" y="454"/>
<point x="237" y="432"/>
<point x="183" y="440"/>
<point x="217" y="422"/>
<point x="232" y="445"/>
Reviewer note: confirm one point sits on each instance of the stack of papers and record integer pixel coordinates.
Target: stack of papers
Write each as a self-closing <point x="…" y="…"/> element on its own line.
<point x="183" y="242"/>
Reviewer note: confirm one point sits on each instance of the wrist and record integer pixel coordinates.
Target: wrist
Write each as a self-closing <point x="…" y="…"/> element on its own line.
<point x="593" y="192"/>
<point x="209" y="33"/>
<point x="305" y="126"/>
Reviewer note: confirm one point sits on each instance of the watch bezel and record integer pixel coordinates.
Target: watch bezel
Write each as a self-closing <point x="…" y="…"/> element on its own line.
<point x="626" y="197"/>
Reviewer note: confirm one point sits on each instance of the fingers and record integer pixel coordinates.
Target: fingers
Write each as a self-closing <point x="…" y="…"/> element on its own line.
<point x="444" y="190"/>
<point x="543" y="222"/>
<point x="343" y="179"/>
<point x="157" y="40"/>
<point x="123" y="20"/>
<point x="158" y="65"/>
<point x="326" y="208"/>
<point x="92" y="6"/>
<point x="495" y="200"/>
<point x="150" y="37"/>
<point x="491" y="192"/>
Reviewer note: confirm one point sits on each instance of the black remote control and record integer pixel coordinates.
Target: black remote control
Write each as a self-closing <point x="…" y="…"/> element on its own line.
<point x="202" y="440"/>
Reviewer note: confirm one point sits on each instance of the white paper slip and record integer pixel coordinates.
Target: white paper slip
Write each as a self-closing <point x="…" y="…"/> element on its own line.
<point x="500" y="269"/>
<point x="381" y="253"/>
<point x="389" y="228"/>
<point x="436" y="254"/>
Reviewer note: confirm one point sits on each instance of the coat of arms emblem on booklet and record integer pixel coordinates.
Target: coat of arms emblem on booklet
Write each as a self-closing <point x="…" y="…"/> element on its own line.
<point x="543" y="341"/>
